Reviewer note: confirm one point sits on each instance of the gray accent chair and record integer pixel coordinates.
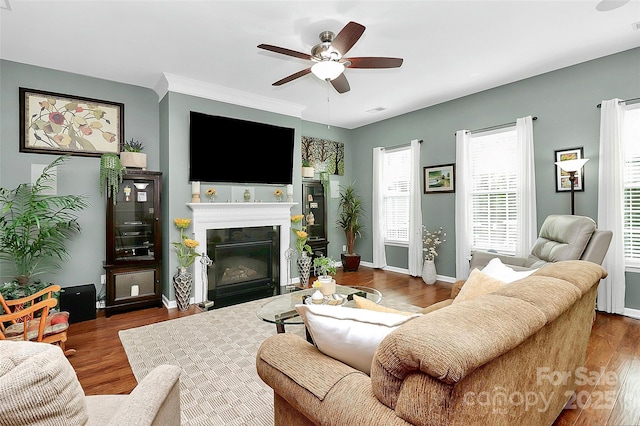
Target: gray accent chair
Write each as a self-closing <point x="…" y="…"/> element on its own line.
<point x="38" y="386"/>
<point x="562" y="237"/>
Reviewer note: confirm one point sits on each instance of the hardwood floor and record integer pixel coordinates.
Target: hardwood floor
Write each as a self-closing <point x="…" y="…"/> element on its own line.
<point x="614" y="349"/>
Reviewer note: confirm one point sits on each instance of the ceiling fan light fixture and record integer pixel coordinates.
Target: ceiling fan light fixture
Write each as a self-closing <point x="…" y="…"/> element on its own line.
<point x="327" y="70"/>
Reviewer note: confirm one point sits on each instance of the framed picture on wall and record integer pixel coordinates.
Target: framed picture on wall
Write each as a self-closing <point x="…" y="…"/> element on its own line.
<point x="53" y="123"/>
<point x="563" y="182"/>
<point x="439" y="178"/>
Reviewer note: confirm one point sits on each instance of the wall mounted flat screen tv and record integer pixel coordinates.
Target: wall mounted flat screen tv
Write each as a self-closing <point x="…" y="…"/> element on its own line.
<point x="229" y="150"/>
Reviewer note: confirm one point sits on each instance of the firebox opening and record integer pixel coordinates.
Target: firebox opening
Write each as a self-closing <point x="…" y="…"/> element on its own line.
<point x="245" y="264"/>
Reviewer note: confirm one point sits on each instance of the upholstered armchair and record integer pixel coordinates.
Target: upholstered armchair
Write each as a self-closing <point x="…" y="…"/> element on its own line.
<point x="39" y="386"/>
<point x="562" y="237"/>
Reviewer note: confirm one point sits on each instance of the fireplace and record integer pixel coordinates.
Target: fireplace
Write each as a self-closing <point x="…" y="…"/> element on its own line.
<point x="244" y="264"/>
<point x="246" y="234"/>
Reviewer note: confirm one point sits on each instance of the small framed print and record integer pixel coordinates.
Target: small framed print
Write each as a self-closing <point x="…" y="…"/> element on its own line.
<point x="563" y="181"/>
<point x="439" y="178"/>
<point x="142" y="197"/>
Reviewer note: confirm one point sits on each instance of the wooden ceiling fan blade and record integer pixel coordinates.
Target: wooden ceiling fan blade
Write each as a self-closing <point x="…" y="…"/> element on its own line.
<point x="374" y="62"/>
<point x="284" y="51"/>
<point x="292" y="77"/>
<point x="341" y="84"/>
<point x="347" y="37"/>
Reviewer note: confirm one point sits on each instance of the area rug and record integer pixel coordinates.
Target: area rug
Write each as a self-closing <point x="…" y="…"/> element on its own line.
<point x="217" y="351"/>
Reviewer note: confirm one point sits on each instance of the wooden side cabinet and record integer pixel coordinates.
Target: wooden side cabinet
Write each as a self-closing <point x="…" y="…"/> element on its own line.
<point x="314" y="208"/>
<point x="134" y="243"/>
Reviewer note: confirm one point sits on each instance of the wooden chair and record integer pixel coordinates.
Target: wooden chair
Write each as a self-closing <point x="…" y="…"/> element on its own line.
<point x="29" y="318"/>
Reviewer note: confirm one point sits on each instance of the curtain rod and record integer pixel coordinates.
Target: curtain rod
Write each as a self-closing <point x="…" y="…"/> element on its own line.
<point x="499" y="126"/>
<point x="632" y="100"/>
<point x="399" y="146"/>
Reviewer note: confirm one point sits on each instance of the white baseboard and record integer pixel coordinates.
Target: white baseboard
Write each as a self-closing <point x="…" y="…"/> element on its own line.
<point x="631" y="313"/>
<point x="405" y="271"/>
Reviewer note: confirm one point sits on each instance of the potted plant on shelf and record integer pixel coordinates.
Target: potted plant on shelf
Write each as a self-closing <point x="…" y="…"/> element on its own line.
<point x="307" y="169"/>
<point x="34" y="230"/>
<point x="349" y="214"/>
<point x="132" y="155"/>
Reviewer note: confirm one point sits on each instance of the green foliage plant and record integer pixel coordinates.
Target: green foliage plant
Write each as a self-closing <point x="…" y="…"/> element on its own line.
<point x="111" y="170"/>
<point x="133" y="146"/>
<point x="349" y="214"/>
<point x="324" y="266"/>
<point x="35" y="226"/>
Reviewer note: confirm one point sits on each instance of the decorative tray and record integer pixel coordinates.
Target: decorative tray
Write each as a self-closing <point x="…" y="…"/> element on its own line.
<point x="334" y="299"/>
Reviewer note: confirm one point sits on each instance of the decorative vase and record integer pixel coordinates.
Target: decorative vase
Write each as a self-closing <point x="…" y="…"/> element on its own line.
<point x="328" y="287"/>
<point x="247" y="195"/>
<point x="317" y="297"/>
<point x="182" y="284"/>
<point x="429" y="275"/>
<point x="304" y="269"/>
<point x="211" y="198"/>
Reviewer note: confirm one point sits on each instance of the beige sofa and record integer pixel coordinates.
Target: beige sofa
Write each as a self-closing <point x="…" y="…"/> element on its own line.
<point x="38" y="386"/>
<point x="489" y="360"/>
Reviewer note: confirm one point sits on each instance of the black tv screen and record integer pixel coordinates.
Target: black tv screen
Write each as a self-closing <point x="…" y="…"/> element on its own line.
<point x="223" y="149"/>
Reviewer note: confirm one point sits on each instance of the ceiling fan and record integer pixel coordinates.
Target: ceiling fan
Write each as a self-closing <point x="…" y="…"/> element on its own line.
<point x="329" y="59"/>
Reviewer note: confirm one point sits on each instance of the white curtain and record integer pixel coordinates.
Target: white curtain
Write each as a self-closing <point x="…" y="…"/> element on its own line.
<point x="379" y="254"/>
<point x="610" y="205"/>
<point x="527" y="216"/>
<point x="463" y="205"/>
<point x="415" y="212"/>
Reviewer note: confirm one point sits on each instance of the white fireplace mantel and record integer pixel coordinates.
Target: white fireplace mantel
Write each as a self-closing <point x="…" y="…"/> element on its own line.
<point x="236" y="215"/>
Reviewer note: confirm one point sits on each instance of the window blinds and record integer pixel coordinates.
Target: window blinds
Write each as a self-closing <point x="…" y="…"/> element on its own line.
<point x="397" y="166"/>
<point x="631" y="224"/>
<point x="494" y="196"/>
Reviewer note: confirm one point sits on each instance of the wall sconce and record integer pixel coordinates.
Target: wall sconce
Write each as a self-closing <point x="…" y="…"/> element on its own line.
<point x="571" y="167"/>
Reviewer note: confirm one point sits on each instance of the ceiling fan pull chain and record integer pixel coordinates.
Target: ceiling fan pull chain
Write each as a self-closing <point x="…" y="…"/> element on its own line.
<point x="328" y="121"/>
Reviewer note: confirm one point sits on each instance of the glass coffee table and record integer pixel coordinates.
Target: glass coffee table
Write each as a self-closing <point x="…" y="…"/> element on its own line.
<point x="282" y="309"/>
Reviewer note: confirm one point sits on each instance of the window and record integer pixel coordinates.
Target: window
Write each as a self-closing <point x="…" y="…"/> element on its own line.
<point x="397" y="169"/>
<point x="494" y="190"/>
<point x="631" y="197"/>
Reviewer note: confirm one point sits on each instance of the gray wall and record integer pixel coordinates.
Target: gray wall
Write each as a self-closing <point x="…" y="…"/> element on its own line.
<point x="564" y="102"/>
<point x="79" y="175"/>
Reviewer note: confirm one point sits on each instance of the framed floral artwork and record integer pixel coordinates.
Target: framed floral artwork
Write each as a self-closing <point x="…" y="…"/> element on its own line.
<point x="53" y="123"/>
<point x="563" y="181"/>
<point x="439" y="178"/>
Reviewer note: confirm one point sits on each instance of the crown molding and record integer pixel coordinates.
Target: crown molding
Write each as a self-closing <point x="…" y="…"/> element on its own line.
<point x="201" y="89"/>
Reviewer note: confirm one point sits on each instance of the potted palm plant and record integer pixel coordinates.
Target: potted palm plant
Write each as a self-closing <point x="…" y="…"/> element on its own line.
<point x="34" y="230"/>
<point x="349" y="214"/>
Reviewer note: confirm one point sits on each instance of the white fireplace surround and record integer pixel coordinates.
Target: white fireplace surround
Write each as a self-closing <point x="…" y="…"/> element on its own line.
<point x="238" y="215"/>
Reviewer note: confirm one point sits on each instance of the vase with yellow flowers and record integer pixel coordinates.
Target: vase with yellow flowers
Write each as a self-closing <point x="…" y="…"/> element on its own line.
<point x="303" y="249"/>
<point x="211" y="194"/>
<point x="278" y="193"/>
<point x="186" y="252"/>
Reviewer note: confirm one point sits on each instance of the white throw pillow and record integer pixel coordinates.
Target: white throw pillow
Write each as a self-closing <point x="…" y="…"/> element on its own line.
<point x="349" y="335"/>
<point x="498" y="270"/>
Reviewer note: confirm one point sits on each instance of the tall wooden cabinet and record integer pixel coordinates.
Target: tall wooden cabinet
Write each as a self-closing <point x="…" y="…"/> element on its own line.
<point x="134" y="243"/>
<point x="314" y="208"/>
